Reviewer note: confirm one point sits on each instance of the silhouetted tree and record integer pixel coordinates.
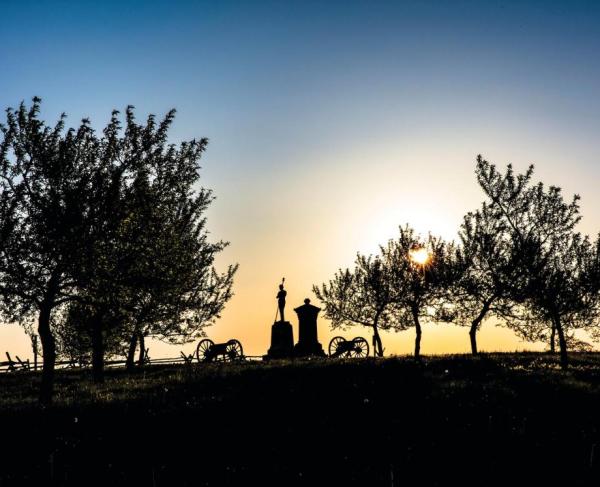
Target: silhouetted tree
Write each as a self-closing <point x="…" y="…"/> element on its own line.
<point x="180" y="293"/>
<point x="558" y="301"/>
<point x="362" y="296"/>
<point x="418" y="280"/>
<point x="550" y="253"/>
<point x="148" y="265"/>
<point x="71" y="204"/>
<point x="44" y="175"/>
<point x="484" y="272"/>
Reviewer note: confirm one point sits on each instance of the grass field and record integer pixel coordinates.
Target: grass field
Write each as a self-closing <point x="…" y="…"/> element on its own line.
<point x="499" y="419"/>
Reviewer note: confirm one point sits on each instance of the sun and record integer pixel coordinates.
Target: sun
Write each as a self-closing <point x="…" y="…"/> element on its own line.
<point x="419" y="255"/>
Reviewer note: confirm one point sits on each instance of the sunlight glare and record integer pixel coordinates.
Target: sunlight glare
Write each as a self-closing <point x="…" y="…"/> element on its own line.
<point x="419" y="255"/>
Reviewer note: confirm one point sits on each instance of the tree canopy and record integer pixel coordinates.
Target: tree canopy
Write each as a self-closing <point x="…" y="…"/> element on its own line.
<point x="419" y="270"/>
<point x="108" y="226"/>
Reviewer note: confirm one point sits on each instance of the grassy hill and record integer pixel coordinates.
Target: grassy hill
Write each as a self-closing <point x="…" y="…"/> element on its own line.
<point x="500" y="419"/>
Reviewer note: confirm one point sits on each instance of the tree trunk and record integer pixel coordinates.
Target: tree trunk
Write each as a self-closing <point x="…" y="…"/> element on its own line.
<point x="141" y="358"/>
<point x="473" y="336"/>
<point x="97" y="349"/>
<point x="130" y="361"/>
<point x="553" y="338"/>
<point x="415" y="313"/>
<point x="475" y="325"/>
<point x="48" y="353"/>
<point x="562" y="342"/>
<point x="377" y="345"/>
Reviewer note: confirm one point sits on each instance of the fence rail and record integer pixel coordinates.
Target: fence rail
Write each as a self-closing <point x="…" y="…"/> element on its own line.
<point x="19" y="365"/>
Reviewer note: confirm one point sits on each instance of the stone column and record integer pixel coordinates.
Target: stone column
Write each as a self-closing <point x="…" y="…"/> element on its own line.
<point x="308" y="342"/>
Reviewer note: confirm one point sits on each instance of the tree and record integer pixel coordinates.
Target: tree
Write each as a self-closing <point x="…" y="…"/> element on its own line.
<point x="419" y="272"/>
<point x="552" y="256"/>
<point x="68" y="247"/>
<point x="180" y="293"/>
<point x="558" y="301"/>
<point x="362" y="296"/>
<point x="149" y="264"/>
<point x="43" y="174"/>
<point x="484" y="272"/>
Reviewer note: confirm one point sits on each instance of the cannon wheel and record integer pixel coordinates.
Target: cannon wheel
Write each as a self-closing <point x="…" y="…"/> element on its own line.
<point x="203" y="349"/>
<point x="234" y="350"/>
<point x="333" y="345"/>
<point x="361" y="348"/>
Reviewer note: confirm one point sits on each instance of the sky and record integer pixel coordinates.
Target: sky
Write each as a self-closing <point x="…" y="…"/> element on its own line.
<point x="330" y="123"/>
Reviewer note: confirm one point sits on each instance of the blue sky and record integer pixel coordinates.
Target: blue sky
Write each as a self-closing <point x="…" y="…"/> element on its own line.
<point x="228" y="64"/>
<point x="330" y="123"/>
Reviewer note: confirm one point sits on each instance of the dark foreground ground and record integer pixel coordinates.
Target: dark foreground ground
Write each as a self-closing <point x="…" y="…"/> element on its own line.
<point x="494" y="420"/>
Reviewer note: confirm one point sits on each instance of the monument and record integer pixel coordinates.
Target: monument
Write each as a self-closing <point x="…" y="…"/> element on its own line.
<point x="308" y="343"/>
<point x="282" y="335"/>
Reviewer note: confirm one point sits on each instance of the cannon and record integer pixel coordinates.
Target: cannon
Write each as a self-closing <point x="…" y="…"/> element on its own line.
<point x="209" y="351"/>
<point x="340" y="347"/>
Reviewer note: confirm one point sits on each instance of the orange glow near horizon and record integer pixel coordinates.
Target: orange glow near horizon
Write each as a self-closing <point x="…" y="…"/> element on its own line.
<point x="275" y="229"/>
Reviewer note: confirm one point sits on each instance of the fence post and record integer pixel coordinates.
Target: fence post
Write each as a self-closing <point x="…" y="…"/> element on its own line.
<point x="34" y="342"/>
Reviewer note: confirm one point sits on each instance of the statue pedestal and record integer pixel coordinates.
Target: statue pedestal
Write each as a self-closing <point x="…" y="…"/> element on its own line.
<point x="282" y="340"/>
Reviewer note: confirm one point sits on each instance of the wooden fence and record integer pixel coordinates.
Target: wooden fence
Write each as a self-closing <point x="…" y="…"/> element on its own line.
<point x="19" y="365"/>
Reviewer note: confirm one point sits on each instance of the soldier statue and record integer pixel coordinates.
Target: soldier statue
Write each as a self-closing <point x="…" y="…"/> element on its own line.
<point x="281" y="300"/>
<point x="282" y="335"/>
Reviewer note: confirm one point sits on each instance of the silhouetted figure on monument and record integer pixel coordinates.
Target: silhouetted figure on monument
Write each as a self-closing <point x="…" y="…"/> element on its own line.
<point x="281" y="301"/>
<point x="282" y="335"/>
